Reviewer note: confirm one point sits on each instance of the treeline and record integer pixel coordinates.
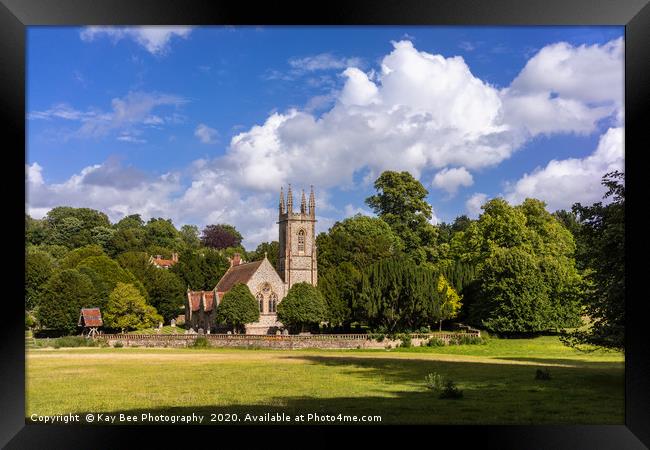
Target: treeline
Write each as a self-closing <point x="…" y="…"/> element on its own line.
<point x="515" y="270"/>
<point x="75" y="257"/>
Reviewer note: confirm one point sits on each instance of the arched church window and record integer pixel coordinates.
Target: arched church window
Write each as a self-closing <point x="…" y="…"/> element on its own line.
<point x="301" y="240"/>
<point x="273" y="302"/>
<point x="260" y="300"/>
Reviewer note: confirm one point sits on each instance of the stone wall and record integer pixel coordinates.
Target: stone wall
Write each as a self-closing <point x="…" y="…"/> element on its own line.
<point x="334" y="341"/>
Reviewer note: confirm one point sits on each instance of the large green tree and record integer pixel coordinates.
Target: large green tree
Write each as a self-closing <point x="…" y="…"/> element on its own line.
<point x="72" y="227"/>
<point x="127" y="309"/>
<point x="339" y="285"/>
<point x="105" y="274"/>
<point x="602" y="234"/>
<point x="65" y="293"/>
<point x="39" y="266"/>
<point x="159" y="232"/>
<point x="303" y="307"/>
<point x="201" y="269"/>
<point x="399" y="295"/>
<point x="270" y="249"/>
<point x="166" y="293"/>
<point x="525" y="275"/>
<point x="401" y="202"/>
<point x="359" y="240"/>
<point x="238" y="308"/>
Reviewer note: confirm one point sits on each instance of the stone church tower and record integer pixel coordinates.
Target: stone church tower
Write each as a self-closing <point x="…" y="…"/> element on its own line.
<point x="297" y="258"/>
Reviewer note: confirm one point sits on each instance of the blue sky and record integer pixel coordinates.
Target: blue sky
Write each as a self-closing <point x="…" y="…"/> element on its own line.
<point x="205" y="124"/>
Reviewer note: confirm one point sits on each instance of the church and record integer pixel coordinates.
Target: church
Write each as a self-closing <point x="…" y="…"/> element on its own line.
<point x="268" y="284"/>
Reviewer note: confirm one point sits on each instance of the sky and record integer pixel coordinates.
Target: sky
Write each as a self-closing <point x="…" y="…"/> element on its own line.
<point x="203" y="125"/>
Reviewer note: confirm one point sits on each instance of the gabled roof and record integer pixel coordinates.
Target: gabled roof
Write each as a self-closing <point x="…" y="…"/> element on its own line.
<point x="163" y="262"/>
<point x="195" y="298"/>
<point x="90" y="317"/>
<point x="237" y="274"/>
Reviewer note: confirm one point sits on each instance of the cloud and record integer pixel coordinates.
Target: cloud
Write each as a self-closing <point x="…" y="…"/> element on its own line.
<point x="564" y="89"/>
<point x="451" y="179"/>
<point x="474" y="203"/>
<point x="323" y="61"/>
<point x="421" y="111"/>
<point x="155" y="39"/>
<point x="206" y="134"/>
<point x="564" y="182"/>
<point x="126" y="115"/>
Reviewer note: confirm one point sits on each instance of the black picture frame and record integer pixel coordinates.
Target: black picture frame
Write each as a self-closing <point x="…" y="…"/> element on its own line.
<point x="16" y="15"/>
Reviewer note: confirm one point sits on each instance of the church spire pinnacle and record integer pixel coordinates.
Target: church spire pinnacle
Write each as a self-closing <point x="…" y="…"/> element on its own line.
<point x="312" y="202"/>
<point x="290" y="201"/>
<point x="303" y="203"/>
<point x="281" y="200"/>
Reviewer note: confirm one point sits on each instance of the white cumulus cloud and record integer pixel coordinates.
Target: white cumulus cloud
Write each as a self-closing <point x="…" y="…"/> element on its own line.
<point x="451" y="179"/>
<point x="206" y="134"/>
<point x="155" y="39"/>
<point x="474" y="203"/>
<point x="564" y="182"/>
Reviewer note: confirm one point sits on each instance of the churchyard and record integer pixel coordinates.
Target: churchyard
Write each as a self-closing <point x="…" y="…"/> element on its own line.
<point x="498" y="380"/>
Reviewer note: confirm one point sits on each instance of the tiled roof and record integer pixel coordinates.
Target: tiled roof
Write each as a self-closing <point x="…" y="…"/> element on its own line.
<point x="209" y="301"/>
<point x="163" y="262"/>
<point x="237" y="274"/>
<point x="90" y="317"/>
<point x="195" y="300"/>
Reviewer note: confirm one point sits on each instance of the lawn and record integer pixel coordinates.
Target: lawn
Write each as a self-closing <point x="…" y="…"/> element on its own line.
<point x="498" y="381"/>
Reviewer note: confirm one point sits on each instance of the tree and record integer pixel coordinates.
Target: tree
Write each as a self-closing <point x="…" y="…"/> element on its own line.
<point x="72" y="227"/>
<point x="238" y="308"/>
<point x="602" y="233"/>
<point x="190" y="237"/>
<point x="201" y="269"/>
<point x="105" y="274"/>
<point x="450" y="300"/>
<point x="513" y="299"/>
<point x="127" y="310"/>
<point x="128" y="240"/>
<point x="220" y="236"/>
<point x="137" y="263"/>
<point x="359" y="240"/>
<point x="302" y="307"/>
<point x="36" y="231"/>
<point x="74" y="257"/>
<point x="399" y="295"/>
<point x="130" y="222"/>
<point x="65" y="293"/>
<point x="270" y="249"/>
<point x="161" y="233"/>
<point x="39" y="266"/>
<point x="103" y="236"/>
<point x="166" y="293"/>
<point x="401" y="203"/>
<point x="339" y="285"/>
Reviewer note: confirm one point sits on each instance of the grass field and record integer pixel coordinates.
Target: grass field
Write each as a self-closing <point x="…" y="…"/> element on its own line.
<point x="498" y="381"/>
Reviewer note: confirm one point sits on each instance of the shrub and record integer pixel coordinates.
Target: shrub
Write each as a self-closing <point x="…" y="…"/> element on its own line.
<point x="434" y="381"/>
<point x="542" y="374"/>
<point x="74" y="341"/>
<point x="118" y="344"/>
<point x="200" y="342"/>
<point x="470" y="340"/>
<point x="451" y="391"/>
<point x="406" y="341"/>
<point x="436" y="342"/>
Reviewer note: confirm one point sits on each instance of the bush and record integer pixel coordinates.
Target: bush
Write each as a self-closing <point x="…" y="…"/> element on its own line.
<point x="118" y="344"/>
<point x="451" y="391"/>
<point x="542" y="374"/>
<point x="200" y="342"/>
<point x="434" y="381"/>
<point x="436" y="342"/>
<point x="74" y="341"/>
<point x="406" y="341"/>
<point x="471" y="340"/>
<point x="445" y="388"/>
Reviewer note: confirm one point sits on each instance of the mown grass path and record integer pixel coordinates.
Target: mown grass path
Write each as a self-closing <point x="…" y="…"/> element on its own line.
<point x="498" y="380"/>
